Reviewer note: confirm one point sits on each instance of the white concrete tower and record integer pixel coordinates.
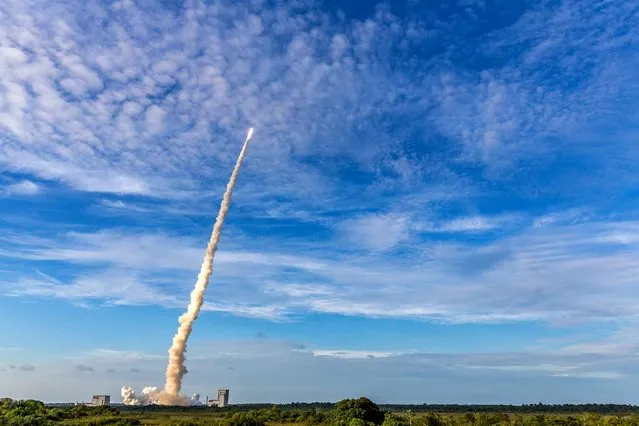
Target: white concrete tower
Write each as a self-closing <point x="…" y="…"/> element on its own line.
<point x="222" y="397"/>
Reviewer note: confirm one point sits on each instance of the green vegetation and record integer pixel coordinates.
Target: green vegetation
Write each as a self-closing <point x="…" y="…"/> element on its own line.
<point x="349" y="412"/>
<point x="35" y="413"/>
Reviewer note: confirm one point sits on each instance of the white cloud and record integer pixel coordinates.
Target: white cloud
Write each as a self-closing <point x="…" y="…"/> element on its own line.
<point x="468" y="224"/>
<point x="385" y="232"/>
<point x="298" y="290"/>
<point x="81" y="178"/>
<point x="187" y="80"/>
<point x="10" y="349"/>
<point x="566" y="217"/>
<point x="544" y="94"/>
<point x="351" y="354"/>
<point x="114" y="204"/>
<point x="13" y="55"/>
<point x="24" y="187"/>
<point x="623" y="342"/>
<point x="160" y="108"/>
<point x="155" y="119"/>
<point x="112" y="286"/>
<point x="377" y="232"/>
<point x="119" y="205"/>
<point x="122" y="355"/>
<point x="268" y="312"/>
<point x="561" y="273"/>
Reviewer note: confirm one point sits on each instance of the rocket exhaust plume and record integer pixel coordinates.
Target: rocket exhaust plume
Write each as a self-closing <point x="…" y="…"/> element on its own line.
<point x="175" y="369"/>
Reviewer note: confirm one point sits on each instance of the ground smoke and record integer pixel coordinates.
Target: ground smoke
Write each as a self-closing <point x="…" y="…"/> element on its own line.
<point x="153" y="395"/>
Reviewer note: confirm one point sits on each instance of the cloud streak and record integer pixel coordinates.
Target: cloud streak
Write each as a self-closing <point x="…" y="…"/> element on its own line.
<point x="555" y="273"/>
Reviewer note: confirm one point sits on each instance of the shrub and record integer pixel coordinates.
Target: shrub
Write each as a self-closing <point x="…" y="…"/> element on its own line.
<point x="245" y="419"/>
<point x="394" y="420"/>
<point x="362" y="408"/>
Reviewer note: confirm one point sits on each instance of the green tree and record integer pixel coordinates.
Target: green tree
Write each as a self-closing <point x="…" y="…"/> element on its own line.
<point x="429" y="419"/>
<point x="311" y="417"/>
<point x="274" y="414"/>
<point x="394" y="420"/>
<point x="361" y="408"/>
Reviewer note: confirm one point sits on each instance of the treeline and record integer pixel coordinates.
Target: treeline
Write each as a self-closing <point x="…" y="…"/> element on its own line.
<point x="363" y="412"/>
<point x="428" y="408"/>
<point x="421" y="408"/>
<point x="526" y="408"/>
<point x="349" y="412"/>
<point x="35" y="413"/>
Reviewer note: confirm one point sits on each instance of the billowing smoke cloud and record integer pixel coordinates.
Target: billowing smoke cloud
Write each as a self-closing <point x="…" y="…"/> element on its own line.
<point x="154" y="395"/>
<point x="175" y="369"/>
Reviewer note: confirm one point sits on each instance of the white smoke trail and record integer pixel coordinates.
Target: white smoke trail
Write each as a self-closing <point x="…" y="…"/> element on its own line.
<point x="175" y="369"/>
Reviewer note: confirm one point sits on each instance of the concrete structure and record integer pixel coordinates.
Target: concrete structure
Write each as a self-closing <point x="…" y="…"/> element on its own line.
<point x="101" y="400"/>
<point x="222" y="399"/>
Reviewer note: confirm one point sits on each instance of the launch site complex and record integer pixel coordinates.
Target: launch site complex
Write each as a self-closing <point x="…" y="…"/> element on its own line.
<point x="222" y="400"/>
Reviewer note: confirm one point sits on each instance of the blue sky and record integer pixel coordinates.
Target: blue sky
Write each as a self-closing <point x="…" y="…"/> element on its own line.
<point x="439" y="203"/>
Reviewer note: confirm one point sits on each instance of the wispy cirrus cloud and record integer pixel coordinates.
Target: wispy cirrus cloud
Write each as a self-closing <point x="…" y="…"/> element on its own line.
<point x="555" y="273"/>
<point x="103" y="353"/>
<point x="385" y="231"/>
<point x="350" y="354"/>
<point x="520" y="109"/>
<point x="10" y="349"/>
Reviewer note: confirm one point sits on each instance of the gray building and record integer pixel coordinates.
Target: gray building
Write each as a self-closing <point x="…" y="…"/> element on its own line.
<point x="222" y="399"/>
<point x="101" y="400"/>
